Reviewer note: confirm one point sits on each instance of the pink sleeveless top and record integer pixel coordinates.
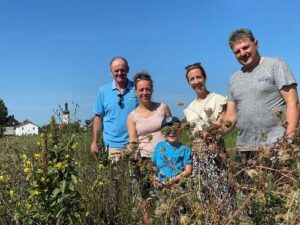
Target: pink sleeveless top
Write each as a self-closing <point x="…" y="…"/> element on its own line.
<point x="148" y="131"/>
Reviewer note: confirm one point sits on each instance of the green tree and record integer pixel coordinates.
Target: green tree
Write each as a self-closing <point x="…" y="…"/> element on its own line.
<point x="3" y="112"/>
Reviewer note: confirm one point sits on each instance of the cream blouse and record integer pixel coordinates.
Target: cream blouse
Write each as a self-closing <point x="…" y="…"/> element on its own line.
<point x="200" y="112"/>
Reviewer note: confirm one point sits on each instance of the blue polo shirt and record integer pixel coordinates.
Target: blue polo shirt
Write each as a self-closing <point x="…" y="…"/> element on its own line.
<point x="170" y="160"/>
<point x="114" y="113"/>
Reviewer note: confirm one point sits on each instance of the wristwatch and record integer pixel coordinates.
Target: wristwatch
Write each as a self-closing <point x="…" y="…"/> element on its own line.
<point x="290" y="141"/>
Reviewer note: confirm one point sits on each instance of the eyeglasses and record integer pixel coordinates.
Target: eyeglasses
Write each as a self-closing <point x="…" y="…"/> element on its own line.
<point x="120" y="101"/>
<point x="194" y="65"/>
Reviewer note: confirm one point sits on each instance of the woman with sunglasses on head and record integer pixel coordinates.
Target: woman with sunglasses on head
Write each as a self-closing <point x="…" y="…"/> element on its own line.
<point x="207" y="105"/>
<point x="205" y="112"/>
<point x="144" y="125"/>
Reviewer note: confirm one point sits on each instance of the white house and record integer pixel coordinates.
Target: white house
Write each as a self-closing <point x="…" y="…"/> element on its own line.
<point x="11" y="123"/>
<point x="27" y="128"/>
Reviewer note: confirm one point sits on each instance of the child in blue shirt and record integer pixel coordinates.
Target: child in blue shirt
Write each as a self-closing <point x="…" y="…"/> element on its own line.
<point x="171" y="158"/>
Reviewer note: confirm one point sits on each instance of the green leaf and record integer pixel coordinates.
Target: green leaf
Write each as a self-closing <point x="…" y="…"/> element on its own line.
<point x="56" y="192"/>
<point x="39" y="171"/>
<point x="71" y="187"/>
<point x="74" y="179"/>
<point x="59" y="212"/>
<point x="63" y="186"/>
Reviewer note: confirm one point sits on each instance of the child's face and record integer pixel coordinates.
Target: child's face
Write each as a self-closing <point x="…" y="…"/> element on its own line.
<point x="172" y="133"/>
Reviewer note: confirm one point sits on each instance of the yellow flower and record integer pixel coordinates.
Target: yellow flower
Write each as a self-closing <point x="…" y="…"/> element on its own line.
<point x="27" y="162"/>
<point x="58" y="166"/>
<point x="100" y="166"/>
<point x="67" y="156"/>
<point x="37" y="156"/>
<point x="43" y="179"/>
<point x="2" y="178"/>
<point x="34" y="184"/>
<point x="11" y="193"/>
<point x="75" y="145"/>
<point x="101" y="184"/>
<point x="36" y="192"/>
<point x="26" y="170"/>
<point x="24" y="156"/>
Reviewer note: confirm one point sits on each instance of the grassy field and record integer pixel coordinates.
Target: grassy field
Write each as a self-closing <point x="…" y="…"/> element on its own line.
<point x="54" y="179"/>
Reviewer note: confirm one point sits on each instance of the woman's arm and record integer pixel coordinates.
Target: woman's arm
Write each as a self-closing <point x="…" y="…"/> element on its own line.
<point x="155" y="180"/>
<point x="133" y="137"/>
<point x="166" y="110"/>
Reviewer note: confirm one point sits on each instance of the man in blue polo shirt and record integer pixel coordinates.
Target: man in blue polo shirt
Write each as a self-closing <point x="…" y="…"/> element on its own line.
<point x="113" y="104"/>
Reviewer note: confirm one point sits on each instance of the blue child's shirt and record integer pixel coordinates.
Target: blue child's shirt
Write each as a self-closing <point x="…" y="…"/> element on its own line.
<point x="170" y="160"/>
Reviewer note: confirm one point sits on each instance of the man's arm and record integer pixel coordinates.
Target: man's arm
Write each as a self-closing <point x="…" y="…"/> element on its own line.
<point x="230" y="116"/>
<point x="290" y="96"/>
<point x="97" y="127"/>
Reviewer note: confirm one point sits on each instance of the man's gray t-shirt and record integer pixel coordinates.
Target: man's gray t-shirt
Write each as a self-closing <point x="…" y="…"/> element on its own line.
<point x="257" y="97"/>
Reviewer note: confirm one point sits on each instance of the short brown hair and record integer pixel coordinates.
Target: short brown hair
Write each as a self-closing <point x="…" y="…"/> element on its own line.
<point x="142" y="76"/>
<point x="240" y="34"/>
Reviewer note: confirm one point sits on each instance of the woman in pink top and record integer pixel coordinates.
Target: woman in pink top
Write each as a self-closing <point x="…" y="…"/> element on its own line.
<point x="144" y="124"/>
<point x="145" y="121"/>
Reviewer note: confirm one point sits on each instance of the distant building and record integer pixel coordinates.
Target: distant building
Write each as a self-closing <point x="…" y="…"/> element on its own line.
<point x="11" y="123"/>
<point x="26" y="128"/>
<point x="66" y="115"/>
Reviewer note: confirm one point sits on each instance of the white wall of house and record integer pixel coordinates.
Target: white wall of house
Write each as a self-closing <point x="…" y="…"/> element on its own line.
<point x="9" y="131"/>
<point x="27" y="129"/>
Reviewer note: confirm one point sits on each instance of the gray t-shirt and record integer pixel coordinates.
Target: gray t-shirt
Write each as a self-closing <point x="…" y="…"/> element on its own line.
<point x="257" y="97"/>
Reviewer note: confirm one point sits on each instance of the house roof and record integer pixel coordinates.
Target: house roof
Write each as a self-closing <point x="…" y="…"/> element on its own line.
<point x="25" y="123"/>
<point x="11" y="121"/>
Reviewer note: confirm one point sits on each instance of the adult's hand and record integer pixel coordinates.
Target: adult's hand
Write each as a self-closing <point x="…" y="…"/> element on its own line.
<point x="157" y="184"/>
<point x="97" y="126"/>
<point x="94" y="147"/>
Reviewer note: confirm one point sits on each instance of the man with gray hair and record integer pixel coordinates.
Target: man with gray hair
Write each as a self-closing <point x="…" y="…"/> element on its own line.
<point x="262" y="87"/>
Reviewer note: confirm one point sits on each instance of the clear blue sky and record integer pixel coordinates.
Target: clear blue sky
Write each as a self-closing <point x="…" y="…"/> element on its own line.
<point x="54" y="51"/>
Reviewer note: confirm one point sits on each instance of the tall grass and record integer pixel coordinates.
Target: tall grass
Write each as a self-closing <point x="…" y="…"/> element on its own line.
<point x="267" y="187"/>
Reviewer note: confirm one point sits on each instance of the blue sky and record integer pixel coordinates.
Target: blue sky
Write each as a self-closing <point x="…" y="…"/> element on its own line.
<point x="54" y="51"/>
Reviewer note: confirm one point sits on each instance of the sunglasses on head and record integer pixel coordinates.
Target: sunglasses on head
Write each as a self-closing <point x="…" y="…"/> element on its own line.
<point x="120" y="100"/>
<point x="194" y="65"/>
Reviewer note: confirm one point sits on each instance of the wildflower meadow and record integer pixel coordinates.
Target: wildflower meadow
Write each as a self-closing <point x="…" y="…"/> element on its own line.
<point x="54" y="179"/>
